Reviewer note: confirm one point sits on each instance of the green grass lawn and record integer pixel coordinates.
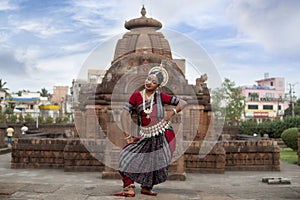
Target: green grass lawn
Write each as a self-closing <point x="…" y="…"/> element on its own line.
<point x="289" y="156"/>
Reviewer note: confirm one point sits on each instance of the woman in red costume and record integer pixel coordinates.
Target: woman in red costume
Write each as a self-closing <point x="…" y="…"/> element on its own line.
<point x="146" y="157"/>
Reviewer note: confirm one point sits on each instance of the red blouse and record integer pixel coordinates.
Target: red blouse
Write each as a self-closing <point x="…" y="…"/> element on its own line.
<point x="135" y="103"/>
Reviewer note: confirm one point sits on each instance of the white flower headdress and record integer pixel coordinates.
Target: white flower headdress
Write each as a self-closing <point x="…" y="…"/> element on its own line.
<point x="163" y="71"/>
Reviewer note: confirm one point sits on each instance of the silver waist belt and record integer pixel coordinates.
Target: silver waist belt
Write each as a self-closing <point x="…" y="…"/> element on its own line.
<point x="154" y="130"/>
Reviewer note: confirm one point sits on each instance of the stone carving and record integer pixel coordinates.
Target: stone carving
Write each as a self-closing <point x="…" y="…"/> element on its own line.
<point x="200" y="84"/>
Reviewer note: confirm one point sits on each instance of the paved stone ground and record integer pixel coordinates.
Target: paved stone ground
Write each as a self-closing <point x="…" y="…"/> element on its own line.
<point x="46" y="184"/>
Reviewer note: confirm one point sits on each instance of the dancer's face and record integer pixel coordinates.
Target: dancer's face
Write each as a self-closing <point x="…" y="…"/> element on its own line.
<point x="151" y="82"/>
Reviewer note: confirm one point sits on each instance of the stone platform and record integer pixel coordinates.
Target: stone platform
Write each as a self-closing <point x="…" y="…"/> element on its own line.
<point x="48" y="184"/>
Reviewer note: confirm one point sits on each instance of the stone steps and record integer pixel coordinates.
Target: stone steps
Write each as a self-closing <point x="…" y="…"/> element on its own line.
<point x="281" y="144"/>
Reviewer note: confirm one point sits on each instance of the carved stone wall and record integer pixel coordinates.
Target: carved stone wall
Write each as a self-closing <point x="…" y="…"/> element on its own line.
<point x="213" y="162"/>
<point x="84" y="155"/>
<point x="58" y="153"/>
<point x="257" y="155"/>
<point x="38" y="153"/>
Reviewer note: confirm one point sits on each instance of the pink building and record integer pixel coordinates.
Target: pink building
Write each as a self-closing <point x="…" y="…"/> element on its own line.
<point x="266" y="99"/>
<point x="60" y="94"/>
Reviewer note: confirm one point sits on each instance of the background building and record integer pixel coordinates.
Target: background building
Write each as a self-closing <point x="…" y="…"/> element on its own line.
<point x="266" y="99"/>
<point x="96" y="75"/>
<point x="59" y="94"/>
<point x="26" y="103"/>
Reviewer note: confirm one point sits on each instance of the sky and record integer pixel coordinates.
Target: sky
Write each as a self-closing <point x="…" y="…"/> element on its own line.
<point x="46" y="43"/>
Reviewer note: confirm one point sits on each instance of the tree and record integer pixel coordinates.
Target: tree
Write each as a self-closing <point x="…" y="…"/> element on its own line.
<point x="44" y="92"/>
<point x="218" y="103"/>
<point x="228" y="101"/>
<point x="2" y="88"/>
<point x="288" y="111"/>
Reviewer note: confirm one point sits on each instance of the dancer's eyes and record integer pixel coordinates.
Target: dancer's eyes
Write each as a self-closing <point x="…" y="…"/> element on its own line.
<point x="150" y="78"/>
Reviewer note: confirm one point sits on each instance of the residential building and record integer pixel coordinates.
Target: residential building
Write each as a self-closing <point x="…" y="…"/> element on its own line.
<point x="266" y="99"/>
<point x="26" y="103"/>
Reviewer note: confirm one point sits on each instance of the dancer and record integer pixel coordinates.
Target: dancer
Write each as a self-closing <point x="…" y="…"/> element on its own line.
<point x="146" y="157"/>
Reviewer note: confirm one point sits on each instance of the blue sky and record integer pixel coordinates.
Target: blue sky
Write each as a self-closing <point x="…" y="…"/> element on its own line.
<point x="44" y="43"/>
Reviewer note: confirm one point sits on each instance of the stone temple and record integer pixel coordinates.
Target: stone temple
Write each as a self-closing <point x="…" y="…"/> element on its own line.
<point x="140" y="49"/>
<point x="98" y="137"/>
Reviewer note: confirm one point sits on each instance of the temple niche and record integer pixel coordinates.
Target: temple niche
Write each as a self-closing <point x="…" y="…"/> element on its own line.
<point x="140" y="49"/>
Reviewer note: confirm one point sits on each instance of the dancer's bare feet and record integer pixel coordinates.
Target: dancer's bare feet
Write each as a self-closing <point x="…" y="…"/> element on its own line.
<point x="146" y="191"/>
<point x="127" y="192"/>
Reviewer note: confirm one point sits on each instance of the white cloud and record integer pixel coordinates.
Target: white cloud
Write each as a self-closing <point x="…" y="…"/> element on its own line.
<point x="98" y="17"/>
<point x="273" y="24"/>
<point x="61" y="65"/>
<point x="42" y="28"/>
<point x="242" y="36"/>
<point x="77" y="47"/>
<point x="198" y="14"/>
<point x="3" y="36"/>
<point x="7" y="5"/>
<point x="47" y="73"/>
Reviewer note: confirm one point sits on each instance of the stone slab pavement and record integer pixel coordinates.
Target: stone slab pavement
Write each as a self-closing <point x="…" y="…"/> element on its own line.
<point x="53" y="184"/>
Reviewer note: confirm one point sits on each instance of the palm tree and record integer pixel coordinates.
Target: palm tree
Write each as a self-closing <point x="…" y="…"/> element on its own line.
<point x="2" y="88"/>
<point x="44" y="92"/>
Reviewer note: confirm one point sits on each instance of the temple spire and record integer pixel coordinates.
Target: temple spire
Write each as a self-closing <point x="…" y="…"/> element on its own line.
<point x="143" y="11"/>
<point x="143" y="22"/>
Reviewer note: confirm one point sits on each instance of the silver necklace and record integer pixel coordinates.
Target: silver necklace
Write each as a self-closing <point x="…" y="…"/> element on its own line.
<point x="148" y="111"/>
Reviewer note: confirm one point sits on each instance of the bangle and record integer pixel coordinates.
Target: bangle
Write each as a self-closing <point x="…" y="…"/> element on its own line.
<point x="175" y="111"/>
<point x="129" y="136"/>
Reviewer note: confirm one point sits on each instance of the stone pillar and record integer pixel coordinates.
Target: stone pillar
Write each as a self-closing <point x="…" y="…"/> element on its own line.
<point x="111" y="159"/>
<point x="177" y="170"/>
<point x="80" y="123"/>
<point x="92" y="126"/>
<point x="180" y="123"/>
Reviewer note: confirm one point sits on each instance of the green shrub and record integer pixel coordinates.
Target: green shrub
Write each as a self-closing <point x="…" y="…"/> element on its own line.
<point x="58" y="120"/>
<point x="290" y="138"/>
<point x="2" y="118"/>
<point x="273" y="128"/>
<point x="13" y="118"/>
<point x="49" y="120"/>
<point x="8" y="111"/>
<point x="41" y="119"/>
<point x="66" y="119"/>
<point x="29" y="119"/>
<point x="291" y="122"/>
<point x="249" y="127"/>
<point x="21" y="119"/>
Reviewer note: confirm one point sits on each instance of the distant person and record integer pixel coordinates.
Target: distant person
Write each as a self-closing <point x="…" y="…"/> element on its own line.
<point x="24" y="129"/>
<point x="10" y="132"/>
